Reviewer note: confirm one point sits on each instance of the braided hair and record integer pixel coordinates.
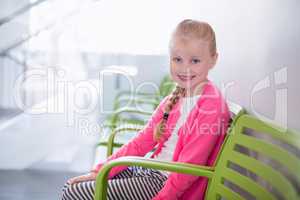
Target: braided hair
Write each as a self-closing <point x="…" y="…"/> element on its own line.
<point x="172" y="100"/>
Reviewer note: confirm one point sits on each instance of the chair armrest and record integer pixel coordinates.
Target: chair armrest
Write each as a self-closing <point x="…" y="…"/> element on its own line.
<point x="110" y="142"/>
<point x="130" y="93"/>
<point x="113" y="124"/>
<point x="186" y="168"/>
<point x="116" y="115"/>
<point x="131" y="110"/>
<point x="153" y="101"/>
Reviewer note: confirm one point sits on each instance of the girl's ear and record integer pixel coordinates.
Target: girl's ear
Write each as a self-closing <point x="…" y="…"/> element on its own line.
<point x="214" y="60"/>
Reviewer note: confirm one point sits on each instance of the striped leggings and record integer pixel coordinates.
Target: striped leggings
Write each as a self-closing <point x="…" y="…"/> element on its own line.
<point x="134" y="183"/>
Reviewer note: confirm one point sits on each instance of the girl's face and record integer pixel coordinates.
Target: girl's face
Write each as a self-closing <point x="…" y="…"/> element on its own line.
<point x="190" y="61"/>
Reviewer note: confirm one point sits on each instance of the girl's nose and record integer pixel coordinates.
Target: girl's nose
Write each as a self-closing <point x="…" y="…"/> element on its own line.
<point x="187" y="69"/>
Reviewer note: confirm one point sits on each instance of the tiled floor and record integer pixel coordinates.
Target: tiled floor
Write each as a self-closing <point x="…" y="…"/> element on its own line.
<point x="32" y="184"/>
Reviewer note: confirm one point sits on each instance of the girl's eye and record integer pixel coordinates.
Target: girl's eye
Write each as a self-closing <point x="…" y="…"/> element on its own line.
<point x="195" y="61"/>
<point x="176" y="59"/>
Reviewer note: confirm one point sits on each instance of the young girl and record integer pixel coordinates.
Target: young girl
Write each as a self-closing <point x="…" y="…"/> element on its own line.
<point x="188" y="126"/>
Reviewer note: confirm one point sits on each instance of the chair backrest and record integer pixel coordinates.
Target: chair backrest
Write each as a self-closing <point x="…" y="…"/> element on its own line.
<point x="235" y="112"/>
<point x="258" y="161"/>
<point x="166" y="86"/>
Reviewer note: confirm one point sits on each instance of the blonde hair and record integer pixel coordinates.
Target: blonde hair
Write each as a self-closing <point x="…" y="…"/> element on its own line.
<point x="187" y="28"/>
<point x="194" y="29"/>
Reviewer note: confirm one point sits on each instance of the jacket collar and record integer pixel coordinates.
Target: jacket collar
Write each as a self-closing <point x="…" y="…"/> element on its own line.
<point x="175" y="112"/>
<point x="206" y="92"/>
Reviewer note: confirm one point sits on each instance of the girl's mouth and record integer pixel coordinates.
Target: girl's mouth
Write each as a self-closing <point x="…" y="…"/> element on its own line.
<point x="185" y="77"/>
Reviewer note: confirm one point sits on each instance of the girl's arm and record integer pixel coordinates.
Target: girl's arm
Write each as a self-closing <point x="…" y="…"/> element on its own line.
<point x="196" y="150"/>
<point x="139" y="145"/>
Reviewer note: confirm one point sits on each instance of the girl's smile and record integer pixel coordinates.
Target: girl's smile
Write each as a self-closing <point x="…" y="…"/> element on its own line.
<point x="185" y="78"/>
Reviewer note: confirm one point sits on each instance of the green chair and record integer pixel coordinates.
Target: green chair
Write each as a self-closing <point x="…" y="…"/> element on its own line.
<point x="119" y="126"/>
<point x="133" y="100"/>
<point x="274" y="170"/>
<point x="123" y="135"/>
<point x="165" y="88"/>
<point x="131" y="116"/>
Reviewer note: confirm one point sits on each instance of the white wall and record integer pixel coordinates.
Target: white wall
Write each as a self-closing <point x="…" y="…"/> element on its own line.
<point x="10" y="33"/>
<point x="255" y="40"/>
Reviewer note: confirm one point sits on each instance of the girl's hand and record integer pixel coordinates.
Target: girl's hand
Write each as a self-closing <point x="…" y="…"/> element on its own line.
<point x="86" y="177"/>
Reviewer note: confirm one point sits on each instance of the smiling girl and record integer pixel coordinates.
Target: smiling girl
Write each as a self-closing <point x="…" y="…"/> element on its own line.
<point x="188" y="126"/>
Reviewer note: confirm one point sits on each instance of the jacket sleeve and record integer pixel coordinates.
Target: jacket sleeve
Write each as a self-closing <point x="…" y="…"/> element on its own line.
<point x="195" y="150"/>
<point x="141" y="144"/>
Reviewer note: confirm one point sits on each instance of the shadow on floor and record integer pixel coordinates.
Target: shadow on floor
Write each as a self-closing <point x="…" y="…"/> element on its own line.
<point x="32" y="184"/>
<point x="6" y="113"/>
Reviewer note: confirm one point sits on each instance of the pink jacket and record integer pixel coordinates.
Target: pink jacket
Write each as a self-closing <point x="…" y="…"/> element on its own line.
<point x="199" y="141"/>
